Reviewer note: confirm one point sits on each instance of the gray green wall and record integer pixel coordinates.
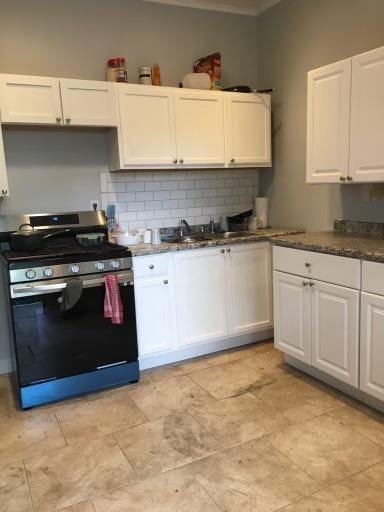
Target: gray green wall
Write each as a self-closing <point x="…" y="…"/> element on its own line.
<point x="293" y="37"/>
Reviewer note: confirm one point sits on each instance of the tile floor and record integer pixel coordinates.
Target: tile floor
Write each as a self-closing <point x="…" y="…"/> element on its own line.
<point x="234" y="431"/>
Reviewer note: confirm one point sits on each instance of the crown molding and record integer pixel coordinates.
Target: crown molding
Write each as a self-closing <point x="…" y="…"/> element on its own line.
<point x="222" y="7"/>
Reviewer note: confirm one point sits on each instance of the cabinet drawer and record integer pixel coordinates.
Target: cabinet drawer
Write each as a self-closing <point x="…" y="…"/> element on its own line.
<point x="373" y="277"/>
<point x="151" y="265"/>
<point x="324" y="267"/>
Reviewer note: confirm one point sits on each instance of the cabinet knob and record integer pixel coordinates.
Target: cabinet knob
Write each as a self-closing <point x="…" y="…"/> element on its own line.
<point x="232" y="160"/>
<point x="311" y="284"/>
<point x="308" y="265"/>
<point x="349" y="178"/>
<point x="58" y="120"/>
<point x="229" y="249"/>
<point x="342" y="178"/>
<point x="305" y="283"/>
<point x="175" y="160"/>
<point x="4" y="192"/>
<point x="165" y="281"/>
<point x="68" y="120"/>
<point x="181" y="161"/>
<point x="151" y="267"/>
<point x="222" y="251"/>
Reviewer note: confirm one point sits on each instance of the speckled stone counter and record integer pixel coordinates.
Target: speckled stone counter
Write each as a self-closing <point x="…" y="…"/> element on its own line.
<point x="352" y="245"/>
<point x="258" y="236"/>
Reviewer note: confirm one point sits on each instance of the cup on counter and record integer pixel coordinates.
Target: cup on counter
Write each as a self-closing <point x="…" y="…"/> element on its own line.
<point x="147" y="237"/>
<point x="156" y="239"/>
<point x="254" y="223"/>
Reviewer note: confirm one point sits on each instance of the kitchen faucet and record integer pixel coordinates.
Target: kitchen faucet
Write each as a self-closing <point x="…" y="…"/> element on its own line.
<point x="189" y="229"/>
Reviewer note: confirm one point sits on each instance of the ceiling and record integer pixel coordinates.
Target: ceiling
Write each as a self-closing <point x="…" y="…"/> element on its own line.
<point x="246" y="7"/>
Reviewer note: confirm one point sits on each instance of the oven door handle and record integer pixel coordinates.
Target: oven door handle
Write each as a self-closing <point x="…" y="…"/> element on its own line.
<point x="35" y="289"/>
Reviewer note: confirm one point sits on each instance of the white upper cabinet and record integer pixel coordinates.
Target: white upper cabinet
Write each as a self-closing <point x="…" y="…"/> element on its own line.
<point x="147" y="127"/>
<point x="30" y="99"/>
<point x="367" y="114"/>
<point x="4" y="190"/>
<point x="328" y="120"/>
<point x="200" y="135"/>
<point x="87" y="102"/>
<point x="249" y="287"/>
<point x="248" y="129"/>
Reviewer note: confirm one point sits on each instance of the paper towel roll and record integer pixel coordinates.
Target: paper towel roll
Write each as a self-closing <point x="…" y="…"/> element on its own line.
<point x="261" y="210"/>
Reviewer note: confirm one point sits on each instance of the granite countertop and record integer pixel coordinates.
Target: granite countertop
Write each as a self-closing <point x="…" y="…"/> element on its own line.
<point x="364" y="246"/>
<point x="258" y="236"/>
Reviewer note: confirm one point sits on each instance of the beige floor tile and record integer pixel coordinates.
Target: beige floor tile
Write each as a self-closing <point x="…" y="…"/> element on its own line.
<point x="77" y="473"/>
<point x="166" y="397"/>
<point x="362" y="419"/>
<point x="240" y="353"/>
<point x="7" y="398"/>
<point x="14" y="493"/>
<point x="166" y="443"/>
<point x="85" y="506"/>
<point x="177" y="370"/>
<point x="174" y="491"/>
<point x="252" y="477"/>
<point x="229" y="379"/>
<point x="326" y="449"/>
<point x="239" y="419"/>
<point x="27" y="433"/>
<point x="359" y="493"/>
<point x="297" y="399"/>
<point x="91" y="418"/>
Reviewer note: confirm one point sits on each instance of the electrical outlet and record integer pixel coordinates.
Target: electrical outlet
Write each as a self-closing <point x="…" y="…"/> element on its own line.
<point x="93" y="204"/>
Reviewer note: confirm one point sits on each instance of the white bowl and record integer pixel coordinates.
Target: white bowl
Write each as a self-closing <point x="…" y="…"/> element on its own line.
<point x="127" y="238"/>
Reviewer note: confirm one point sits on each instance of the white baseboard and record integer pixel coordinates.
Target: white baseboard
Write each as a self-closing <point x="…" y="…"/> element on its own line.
<point x="332" y="381"/>
<point x="203" y="349"/>
<point x="6" y="365"/>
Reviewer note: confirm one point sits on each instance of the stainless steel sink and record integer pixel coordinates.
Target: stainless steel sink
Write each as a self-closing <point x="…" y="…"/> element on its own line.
<point x="189" y="239"/>
<point x="232" y="234"/>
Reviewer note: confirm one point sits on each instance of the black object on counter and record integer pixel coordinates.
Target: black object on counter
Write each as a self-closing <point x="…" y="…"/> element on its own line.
<point x="31" y="240"/>
<point x="246" y="88"/>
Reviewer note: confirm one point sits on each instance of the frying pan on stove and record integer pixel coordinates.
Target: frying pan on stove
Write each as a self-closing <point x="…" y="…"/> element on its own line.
<point x="27" y="239"/>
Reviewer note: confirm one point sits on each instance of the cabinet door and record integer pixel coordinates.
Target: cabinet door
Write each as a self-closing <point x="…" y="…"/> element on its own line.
<point x="200" y="128"/>
<point x="4" y="189"/>
<point x="147" y="126"/>
<point x="88" y="103"/>
<point x="30" y="99"/>
<point x="200" y="295"/>
<point x="367" y="113"/>
<point x="249" y="129"/>
<point x="328" y="121"/>
<point x="249" y="287"/>
<point x="291" y="302"/>
<point x="372" y="345"/>
<point x="154" y="315"/>
<point x="335" y="331"/>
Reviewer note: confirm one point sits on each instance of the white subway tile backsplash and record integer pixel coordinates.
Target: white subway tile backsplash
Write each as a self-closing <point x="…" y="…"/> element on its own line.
<point x="161" y="199"/>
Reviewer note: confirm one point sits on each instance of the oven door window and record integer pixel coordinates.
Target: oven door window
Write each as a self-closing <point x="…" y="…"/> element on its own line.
<point x="51" y="343"/>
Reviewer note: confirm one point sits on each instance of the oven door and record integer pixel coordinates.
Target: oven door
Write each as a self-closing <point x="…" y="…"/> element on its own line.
<point x="51" y="343"/>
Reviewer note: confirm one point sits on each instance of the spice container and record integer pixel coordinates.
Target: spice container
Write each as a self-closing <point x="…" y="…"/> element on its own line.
<point x="116" y="70"/>
<point x="145" y="75"/>
<point x="156" y="80"/>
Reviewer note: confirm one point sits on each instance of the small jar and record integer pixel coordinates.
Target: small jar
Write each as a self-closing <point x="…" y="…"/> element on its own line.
<point x="156" y="80"/>
<point x="116" y="70"/>
<point x="145" y="75"/>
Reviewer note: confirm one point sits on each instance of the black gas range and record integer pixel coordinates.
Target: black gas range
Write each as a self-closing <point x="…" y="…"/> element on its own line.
<point x="66" y="351"/>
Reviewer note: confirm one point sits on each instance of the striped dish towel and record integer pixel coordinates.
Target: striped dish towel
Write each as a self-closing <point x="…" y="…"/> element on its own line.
<point x="113" y="307"/>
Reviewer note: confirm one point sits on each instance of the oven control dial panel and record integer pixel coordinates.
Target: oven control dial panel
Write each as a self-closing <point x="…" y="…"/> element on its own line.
<point x="48" y="272"/>
<point x="115" y="264"/>
<point x="30" y="274"/>
<point x="99" y="265"/>
<point x="75" y="269"/>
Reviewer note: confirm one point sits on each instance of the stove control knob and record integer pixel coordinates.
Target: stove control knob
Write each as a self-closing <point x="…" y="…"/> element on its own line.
<point x="99" y="265"/>
<point x="48" y="272"/>
<point x="115" y="264"/>
<point x="30" y="274"/>
<point x="75" y="269"/>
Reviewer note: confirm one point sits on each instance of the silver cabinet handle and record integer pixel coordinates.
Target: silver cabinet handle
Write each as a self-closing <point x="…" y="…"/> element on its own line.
<point x="349" y="178"/>
<point x="232" y="160"/>
<point x="181" y="161"/>
<point x="311" y="284"/>
<point x="165" y="281"/>
<point x="175" y="160"/>
<point x="4" y="192"/>
<point x="229" y="249"/>
<point x="342" y="178"/>
<point x="151" y="267"/>
<point x="308" y="265"/>
<point x="222" y="251"/>
<point x="58" y="120"/>
<point x="68" y="120"/>
<point x="305" y="283"/>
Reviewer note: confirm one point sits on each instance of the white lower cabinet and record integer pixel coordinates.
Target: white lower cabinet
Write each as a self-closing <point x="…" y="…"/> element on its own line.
<point x="335" y="330"/>
<point x="372" y="345"/>
<point x="201" y="295"/>
<point x="292" y="316"/>
<point x="249" y="287"/>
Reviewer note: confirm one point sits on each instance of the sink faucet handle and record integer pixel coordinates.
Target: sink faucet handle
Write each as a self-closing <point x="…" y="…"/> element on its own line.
<point x="211" y="225"/>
